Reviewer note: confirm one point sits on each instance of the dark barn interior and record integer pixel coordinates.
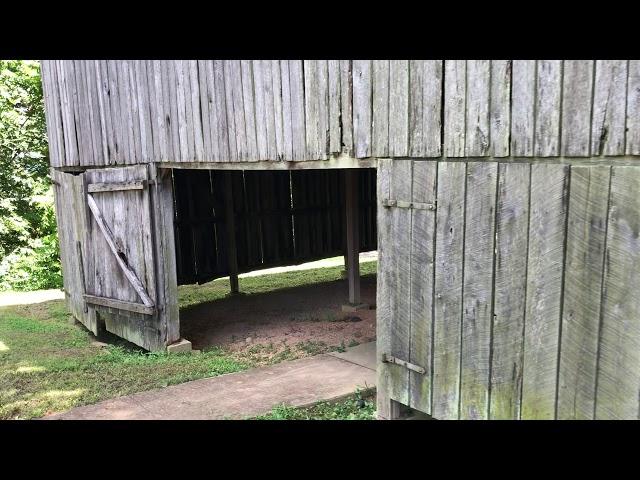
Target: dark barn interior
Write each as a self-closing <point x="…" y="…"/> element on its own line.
<point x="280" y="217"/>
<point x="229" y="222"/>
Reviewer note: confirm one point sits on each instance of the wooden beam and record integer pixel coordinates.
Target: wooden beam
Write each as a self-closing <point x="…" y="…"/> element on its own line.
<point x="353" y="240"/>
<point x="130" y="274"/>
<point x="231" y="234"/>
<point x="119" y="304"/>
<point x="115" y="186"/>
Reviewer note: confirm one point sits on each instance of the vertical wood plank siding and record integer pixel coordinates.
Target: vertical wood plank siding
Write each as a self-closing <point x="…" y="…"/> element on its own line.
<point x="102" y="113"/>
<point x="534" y="307"/>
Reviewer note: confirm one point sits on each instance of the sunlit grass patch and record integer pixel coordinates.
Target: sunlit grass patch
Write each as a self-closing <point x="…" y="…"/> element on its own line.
<point x="48" y="365"/>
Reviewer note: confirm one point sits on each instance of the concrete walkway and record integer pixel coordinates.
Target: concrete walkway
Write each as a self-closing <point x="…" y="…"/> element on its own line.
<point x="244" y="394"/>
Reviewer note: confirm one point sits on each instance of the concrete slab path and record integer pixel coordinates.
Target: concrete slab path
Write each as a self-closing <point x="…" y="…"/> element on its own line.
<point x="244" y="394"/>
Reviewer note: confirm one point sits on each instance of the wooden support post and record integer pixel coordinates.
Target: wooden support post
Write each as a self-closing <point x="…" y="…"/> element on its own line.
<point x="353" y="241"/>
<point x="386" y="408"/>
<point x="232" y="255"/>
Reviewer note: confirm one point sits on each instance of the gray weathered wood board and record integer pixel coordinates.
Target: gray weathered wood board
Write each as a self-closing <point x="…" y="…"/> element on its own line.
<point x="72" y="223"/>
<point x="547" y="108"/>
<point x="586" y="231"/>
<point x="362" y="107"/>
<point x="423" y="224"/>
<point x="609" y="104"/>
<point x="447" y="327"/>
<point x="398" y="269"/>
<point x="577" y="87"/>
<point x="455" y="108"/>
<point x="618" y="382"/>
<point x="512" y="233"/>
<point x="478" y="291"/>
<point x="547" y="228"/>
<point x="477" y="135"/>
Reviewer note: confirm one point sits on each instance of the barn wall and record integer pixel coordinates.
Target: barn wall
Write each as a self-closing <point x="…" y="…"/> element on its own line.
<point x="111" y="112"/>
<point x="517" y="293"/>
<point x="508" y="287"/>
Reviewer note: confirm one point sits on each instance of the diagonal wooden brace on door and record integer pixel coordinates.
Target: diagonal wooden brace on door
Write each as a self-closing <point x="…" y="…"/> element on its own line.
<point x="121" y="259"/>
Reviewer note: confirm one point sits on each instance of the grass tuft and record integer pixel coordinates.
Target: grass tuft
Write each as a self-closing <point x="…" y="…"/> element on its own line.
<point x="352" y="408"/>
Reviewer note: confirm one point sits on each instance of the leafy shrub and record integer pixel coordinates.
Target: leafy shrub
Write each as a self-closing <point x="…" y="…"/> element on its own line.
<point x="37" y="265"/>
<point x="34" y="267"/>
<point x="28" y="244"/>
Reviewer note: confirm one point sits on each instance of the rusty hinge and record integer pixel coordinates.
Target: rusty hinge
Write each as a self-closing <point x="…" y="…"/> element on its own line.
<point x="391" y="359"/>
<point x="402" y="204"/>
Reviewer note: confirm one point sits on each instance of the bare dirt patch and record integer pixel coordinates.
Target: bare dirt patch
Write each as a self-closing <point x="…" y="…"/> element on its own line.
<point x="282" y="324"/>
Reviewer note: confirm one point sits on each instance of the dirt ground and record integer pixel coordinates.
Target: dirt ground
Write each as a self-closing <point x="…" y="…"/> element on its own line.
<point x="288" y="323"/>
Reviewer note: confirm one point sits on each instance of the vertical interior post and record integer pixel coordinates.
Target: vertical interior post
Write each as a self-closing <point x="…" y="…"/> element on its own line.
<point x="353" y="240"/>
<point x="231" y="234"/>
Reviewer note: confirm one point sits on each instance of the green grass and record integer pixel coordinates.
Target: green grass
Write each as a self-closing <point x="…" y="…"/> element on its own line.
<point x="49" y="365"/>
<point x="352" y="408"/>
<point x="194" y="294"/>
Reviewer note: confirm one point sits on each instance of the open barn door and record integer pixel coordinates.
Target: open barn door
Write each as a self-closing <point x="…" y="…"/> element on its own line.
<point x="72" y="225"/>
<point x="129" y="260"/>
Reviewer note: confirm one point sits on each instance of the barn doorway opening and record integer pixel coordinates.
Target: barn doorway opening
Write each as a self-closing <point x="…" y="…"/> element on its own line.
<point x="263" y="260"/>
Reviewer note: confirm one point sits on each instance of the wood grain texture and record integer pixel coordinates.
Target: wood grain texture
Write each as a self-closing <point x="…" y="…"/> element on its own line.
<point x="384" y="285"/>
<point x="633" y="108"/>
<point x="425" y="95"/>
<point x="609" y="105"/>
<point x="287" y="132"/>
<point x="276" y="101"/>
<point x="296" y="90"/>
<point x="478" y="289"/>
<point x="455" y="88"/>
<point x="399" y="275"/>
<point x="577" y="86"/>
<point x="380" y="140"/>
<point x="500" y="120"/>
<point x="512" y="233"/>
<point x="618" y="386"/>
<point x="333" y="67"/>
<point x="248" y="102"/>
<point x="448" y="289"/>
<point x="312" y="108"/>
<point x="399" y="108"/>
<point x="423" y="224"/>
<point x="477" y="137"/>
<point x="522" y="107"/>
<point x="346" y="106"/>
<point x="361" y="74"/>
<point x="547" y="108"/>
<point x="547" y="227"/>
<point x="259" y="100"/>
<point x="586" y="232"/>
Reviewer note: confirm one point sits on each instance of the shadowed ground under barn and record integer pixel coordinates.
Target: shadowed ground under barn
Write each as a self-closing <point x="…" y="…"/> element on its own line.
<point x="284" y="322"/>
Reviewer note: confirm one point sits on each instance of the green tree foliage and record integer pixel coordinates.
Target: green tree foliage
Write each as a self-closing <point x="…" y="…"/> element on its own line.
<point x="29" y="257"/>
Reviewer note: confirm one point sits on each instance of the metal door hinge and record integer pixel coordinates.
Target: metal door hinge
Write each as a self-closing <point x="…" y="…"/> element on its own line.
<point x="391" y="359"/>
<point x="402" y="204"/>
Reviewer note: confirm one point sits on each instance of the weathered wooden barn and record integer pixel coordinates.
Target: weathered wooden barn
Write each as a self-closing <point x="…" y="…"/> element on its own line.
<point x="507" y="208"/>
